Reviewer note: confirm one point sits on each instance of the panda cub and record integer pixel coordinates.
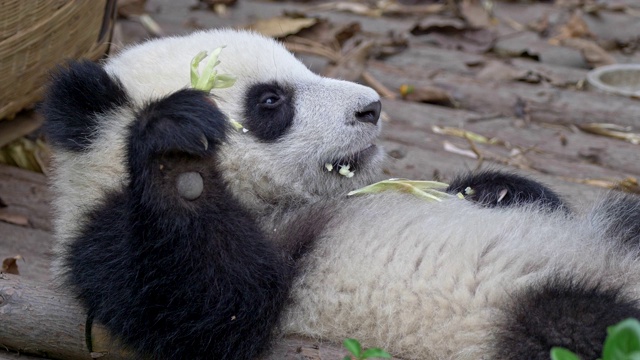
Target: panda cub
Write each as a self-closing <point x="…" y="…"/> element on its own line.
<point x="188" y="239"/>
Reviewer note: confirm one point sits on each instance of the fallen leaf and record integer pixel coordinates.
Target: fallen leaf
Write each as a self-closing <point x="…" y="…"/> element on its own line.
<point x="282" y="26"/>
<point x="475" y="14"/>
<point x="330" y="34"/>
<point x="352" y="7"/>
<point x="426" y="94"/>
<point x="449" y="147"/>
<point x="593" y="54"/>
<point x="499" y="71"/>
<point x="465" y="134"/>
<point x="453" y="34"/>
<point x="575" y="27"/>
<point x="612" y="131"/>
<point x="438" y="24"/>
<point x="629" y="184"/>
<point x="13" y="218"/>
<point x="26" y="154"/>
<point x="10" y="265"/>
<point x="351" y="65"/>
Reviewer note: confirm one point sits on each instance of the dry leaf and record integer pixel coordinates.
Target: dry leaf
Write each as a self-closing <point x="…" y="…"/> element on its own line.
<point x="438" y="24"/>
<point x="449" y="147"/>
<point x="383" y="8"/>
<point x="426" y="94"/>
<point x="593" y="54"/>
<point x="575" y="27"/>
<point x="465" y="134"/>
<point x="453" y="34"/>
<point x="612" y="131"/>
<point x="10" y="265"/>
<point x="282" y="26"/>
<point x="330" y="34"/>
<point x="475" y="14"/>
<point x="26" y="154"/>
<point x="629" y="184"/>
<point x="499" y="71"/>
<point x="13" y="218"/>
<point x="350" y="66"/>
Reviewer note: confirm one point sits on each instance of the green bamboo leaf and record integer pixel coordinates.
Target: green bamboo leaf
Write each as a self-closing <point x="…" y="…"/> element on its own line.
<point x="427" y="190"/>
<point x="623" y="340"/>
<point x="353" y="346"/>
<point x="375" y="353"/>
<point x="195" y="62"/>
<point x="558" y="353"/>
<point x="209" y="78"/>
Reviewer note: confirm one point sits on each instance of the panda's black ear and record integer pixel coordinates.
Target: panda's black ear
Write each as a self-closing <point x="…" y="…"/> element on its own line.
<point x="78" y="95"/>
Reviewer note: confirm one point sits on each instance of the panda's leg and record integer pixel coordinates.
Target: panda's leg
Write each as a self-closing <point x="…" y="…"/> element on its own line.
<point x="502" y="189"/>
<point x="617" y="216"/>
<point x="172" y="265"/>
<point x="560" y="312"/>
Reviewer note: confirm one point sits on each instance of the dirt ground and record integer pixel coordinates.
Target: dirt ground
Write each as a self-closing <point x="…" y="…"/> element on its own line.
<point x="467" y="85"/>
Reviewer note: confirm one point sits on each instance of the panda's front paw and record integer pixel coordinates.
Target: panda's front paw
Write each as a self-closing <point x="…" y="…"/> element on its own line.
<point x="185" y="122"/>
<point x="501" y="189"/>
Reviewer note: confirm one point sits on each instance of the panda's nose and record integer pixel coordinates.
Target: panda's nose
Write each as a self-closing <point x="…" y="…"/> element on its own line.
<point x="370" y="113"/>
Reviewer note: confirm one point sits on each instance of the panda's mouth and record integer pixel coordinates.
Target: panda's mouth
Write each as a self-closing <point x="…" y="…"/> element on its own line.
<point x="348" y="165"/>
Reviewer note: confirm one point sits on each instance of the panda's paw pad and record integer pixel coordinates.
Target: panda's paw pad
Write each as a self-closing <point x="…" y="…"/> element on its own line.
<point x="189" y="185"/>
<point x="186" y="121"/>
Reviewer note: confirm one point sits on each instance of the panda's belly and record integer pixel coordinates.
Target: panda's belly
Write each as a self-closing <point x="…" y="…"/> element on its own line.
<point x="429" y="280"/>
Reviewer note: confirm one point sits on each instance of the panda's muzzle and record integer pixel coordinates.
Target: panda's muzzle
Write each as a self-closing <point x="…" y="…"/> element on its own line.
<point x="370" y="113"/>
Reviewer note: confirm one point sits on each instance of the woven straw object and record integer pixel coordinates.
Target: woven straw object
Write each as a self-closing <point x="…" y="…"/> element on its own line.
<point x="37" y="35"/>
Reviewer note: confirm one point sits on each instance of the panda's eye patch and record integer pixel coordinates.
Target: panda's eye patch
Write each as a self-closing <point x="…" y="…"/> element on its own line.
<point x="269" y="110"/>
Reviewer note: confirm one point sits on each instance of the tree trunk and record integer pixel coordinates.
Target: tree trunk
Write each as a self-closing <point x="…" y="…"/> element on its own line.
<point x="36" y="319"/>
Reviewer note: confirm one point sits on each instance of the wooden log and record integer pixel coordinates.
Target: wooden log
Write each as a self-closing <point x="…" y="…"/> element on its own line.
<point x="37" y="319"/>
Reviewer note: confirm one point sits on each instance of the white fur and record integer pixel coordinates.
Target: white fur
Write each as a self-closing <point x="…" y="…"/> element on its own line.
<point x="390" y="269"/>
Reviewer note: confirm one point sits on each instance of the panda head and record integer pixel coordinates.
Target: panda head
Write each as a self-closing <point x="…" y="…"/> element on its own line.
<point x="299" y="124"/>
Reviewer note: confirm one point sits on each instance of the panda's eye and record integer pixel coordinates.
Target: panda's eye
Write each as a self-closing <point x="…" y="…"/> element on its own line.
<point x="270" y="100"/>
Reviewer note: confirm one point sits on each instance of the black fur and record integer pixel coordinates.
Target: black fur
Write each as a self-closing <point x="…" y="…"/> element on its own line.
<point x="269" y="111"/>
<point x="173" y="278"/>
<point x="622" y="212"/>
<point x="500" y="189"/>
<point x="560" y="312"/>
<point x="77" y="95"/>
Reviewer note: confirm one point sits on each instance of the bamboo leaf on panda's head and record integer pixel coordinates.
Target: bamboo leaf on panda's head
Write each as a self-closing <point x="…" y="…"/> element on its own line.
<point x="224" y="81"/>
<point x="195" y="62"/>
<point x="209" y="78"/>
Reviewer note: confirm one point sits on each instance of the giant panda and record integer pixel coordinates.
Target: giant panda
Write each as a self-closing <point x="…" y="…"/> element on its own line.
<point x="189" y="239"/>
